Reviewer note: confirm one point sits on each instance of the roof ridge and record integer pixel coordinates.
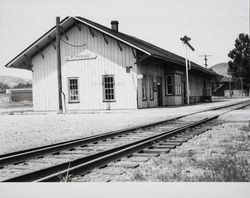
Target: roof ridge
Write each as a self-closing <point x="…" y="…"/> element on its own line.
<point x="153" y="49"/>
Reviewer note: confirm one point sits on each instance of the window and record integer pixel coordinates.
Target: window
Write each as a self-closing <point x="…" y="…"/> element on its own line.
<point x="169" y="84"/>
<point x="151" y="87"/>
<point x="173" y="84"/>
<point x="143" y="84"/>
<point x="73" y="90"/>
<point x="108" y="88"/>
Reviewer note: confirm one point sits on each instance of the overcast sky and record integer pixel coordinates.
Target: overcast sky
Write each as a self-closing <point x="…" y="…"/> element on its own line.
<point x="213" y="25"/>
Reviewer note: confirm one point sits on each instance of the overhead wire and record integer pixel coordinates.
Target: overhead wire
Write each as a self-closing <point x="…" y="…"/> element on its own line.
<point x="72" y="44"/>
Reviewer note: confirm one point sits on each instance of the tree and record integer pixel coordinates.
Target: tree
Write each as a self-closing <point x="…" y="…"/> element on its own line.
<point x="4" y="86"/>
<point x="239" y="66"/>
<point x="23" y="85"/>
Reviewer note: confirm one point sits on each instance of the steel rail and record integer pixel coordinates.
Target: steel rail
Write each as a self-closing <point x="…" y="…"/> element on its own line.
<point x="54" y="173"/>
<point x="19" y="156"/>
<point x="128" y="150"/>
<point x="87" y="163"/>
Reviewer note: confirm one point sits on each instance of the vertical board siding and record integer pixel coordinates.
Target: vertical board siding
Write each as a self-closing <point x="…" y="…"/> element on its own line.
<point x="110" y="60"/>
<point x="45" y="85"/>
<point x="154" y="71"/>
<point x="196" y="86"/>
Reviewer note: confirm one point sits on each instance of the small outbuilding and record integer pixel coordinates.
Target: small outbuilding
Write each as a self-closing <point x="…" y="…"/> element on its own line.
<point x="21" y="94"/>
<point x="103" y="68"/>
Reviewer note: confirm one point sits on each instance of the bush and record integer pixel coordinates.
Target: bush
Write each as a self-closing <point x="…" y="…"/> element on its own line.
<point x="226" y="169"/>
<point x="246" y="127"/>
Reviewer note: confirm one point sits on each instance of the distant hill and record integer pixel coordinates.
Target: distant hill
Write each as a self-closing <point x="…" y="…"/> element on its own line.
<point x="221" y="69"/>
<point x="12" y="81"/>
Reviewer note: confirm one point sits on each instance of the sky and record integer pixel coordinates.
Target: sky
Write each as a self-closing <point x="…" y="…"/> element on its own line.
<point x="212" y="25"/>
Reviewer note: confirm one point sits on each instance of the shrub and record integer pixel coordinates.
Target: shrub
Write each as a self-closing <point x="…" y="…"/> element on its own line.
<point x="226" y="169"/>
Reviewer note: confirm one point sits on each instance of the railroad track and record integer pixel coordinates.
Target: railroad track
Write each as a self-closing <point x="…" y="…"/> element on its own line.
<point x="77" y="157"/>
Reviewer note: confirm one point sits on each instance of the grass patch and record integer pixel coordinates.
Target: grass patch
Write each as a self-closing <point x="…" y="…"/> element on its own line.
<point x="246" y="127"/>
<point x="138" y="176"/>
<point x="224" y="169"/>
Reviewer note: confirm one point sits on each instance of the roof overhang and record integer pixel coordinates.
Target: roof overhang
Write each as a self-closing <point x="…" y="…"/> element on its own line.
<point x="111" y="35"/>
<point x="193" y="65"/>
<point x="23" y="60"/>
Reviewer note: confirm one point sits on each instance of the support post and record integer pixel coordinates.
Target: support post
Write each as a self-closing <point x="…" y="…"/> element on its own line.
<point x="106" y="40"/>
<point x="230" y="95"/>
<point x="185" y="40"/>
<point x="51" y="41"/>
<point x="59" y="72"/>
<point x="241" y="86"/>
<point x="187" y="83"/>
<point x="119" y="45"/>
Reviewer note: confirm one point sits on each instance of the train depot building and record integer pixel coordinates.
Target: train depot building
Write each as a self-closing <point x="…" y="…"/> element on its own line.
<point x="102" y="68"/>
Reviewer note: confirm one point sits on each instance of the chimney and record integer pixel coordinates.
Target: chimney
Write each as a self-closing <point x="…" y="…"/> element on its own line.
<point x="114" y="25"/>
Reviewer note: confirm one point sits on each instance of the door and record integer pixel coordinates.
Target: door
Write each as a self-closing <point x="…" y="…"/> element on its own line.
<point x="159" y="91"/>
<point x="183" y="92"/>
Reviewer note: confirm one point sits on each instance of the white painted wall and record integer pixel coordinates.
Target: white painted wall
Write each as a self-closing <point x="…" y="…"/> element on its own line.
<point x="44" y="79"/>
<point x="109" y="60"/>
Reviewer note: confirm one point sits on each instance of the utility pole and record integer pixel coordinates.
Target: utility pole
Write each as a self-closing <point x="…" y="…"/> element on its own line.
<point x="241" y="86"/>
<point x="205" y="58"/>
<point x="249" y="42"/>
<point x="230" y="78"/>
<point x="185" y="40"/>
<point x="59" y="72"/>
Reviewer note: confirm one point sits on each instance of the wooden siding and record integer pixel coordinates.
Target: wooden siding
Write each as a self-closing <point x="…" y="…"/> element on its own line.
<point x="109" y="60"/>
<point x="173" y="100"/>
<point x="148" y="70"/>
<point x="44" y="78"/>
<point x="196" y="85"/>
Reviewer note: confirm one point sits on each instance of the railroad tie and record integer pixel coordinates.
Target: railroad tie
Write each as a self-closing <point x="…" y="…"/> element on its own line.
<point x="156" y="150"/>
<point x="149" y="155"/>
<point x="111" y="171"/>
<point x="125" y="164"/>
<point x="163" y="146"/>
<point x="138" y="159"/>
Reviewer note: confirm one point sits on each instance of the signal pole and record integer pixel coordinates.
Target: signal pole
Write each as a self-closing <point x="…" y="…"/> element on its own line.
<point x="241" y="86"/>
<point x="185" y="40"/>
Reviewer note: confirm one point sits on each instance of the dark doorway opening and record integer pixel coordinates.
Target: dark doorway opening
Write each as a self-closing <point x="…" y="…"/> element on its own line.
<point x="159" y="91"/>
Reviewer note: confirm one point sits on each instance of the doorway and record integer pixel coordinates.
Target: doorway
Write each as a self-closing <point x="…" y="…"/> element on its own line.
<point x="183" y="92"/>
<point x="159" y="91"/>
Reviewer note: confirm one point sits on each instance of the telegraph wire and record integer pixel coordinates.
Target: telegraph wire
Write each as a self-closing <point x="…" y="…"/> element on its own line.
<point x="72" y="44"/>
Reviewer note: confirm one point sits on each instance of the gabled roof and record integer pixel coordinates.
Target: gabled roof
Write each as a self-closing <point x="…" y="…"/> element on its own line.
<point x="134" y="42"/>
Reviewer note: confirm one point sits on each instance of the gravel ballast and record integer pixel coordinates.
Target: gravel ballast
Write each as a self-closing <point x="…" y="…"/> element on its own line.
<point x="23" y="131"/>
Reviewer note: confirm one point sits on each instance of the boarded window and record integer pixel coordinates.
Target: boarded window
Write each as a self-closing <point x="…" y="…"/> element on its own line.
<point x="144" y="93"/>
<point x="151" y="88"/>
<point x="169" y="84"/>
<point x="73" y="90"/>
<point x="108" y="88"/>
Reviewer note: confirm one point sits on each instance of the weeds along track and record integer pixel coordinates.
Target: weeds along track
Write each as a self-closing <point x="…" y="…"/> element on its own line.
<point x="79" y="157"/>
